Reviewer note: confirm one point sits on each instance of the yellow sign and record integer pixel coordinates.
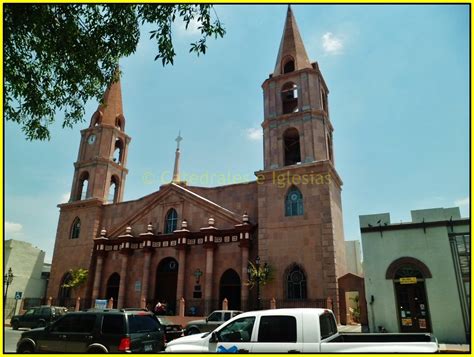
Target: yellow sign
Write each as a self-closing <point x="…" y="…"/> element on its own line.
<point x="411" y="280"/>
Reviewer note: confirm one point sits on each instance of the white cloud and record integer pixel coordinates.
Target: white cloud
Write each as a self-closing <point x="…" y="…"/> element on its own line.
<point x="13" y="228"/>
<point x="64" y="197"/>
<point x="331" y="43"/>
<point x="462" y="202"/>
<point x="254" y="134"/>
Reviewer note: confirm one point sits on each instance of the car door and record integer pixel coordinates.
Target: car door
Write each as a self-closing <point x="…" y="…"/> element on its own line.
<point x="44" y="317"/>
<point x="54" y="338"/>
<point x="81" y="333"/>
<point x="234" y="337"/>
<point x="26" y="320"/>
<point x="278" y="334"/>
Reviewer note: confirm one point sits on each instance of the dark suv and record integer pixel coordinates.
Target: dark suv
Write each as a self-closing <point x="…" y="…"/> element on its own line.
<point x="39" y="316"/>
<point x="97" y="331"/>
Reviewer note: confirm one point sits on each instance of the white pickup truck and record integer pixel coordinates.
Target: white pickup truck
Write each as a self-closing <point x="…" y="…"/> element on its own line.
<point x="297" y="331"/>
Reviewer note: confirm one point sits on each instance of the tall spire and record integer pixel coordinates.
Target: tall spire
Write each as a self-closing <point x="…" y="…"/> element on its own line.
<point x="111" y="106"/>
<point x="176" y="177"/>
<point x="291" y="47"/>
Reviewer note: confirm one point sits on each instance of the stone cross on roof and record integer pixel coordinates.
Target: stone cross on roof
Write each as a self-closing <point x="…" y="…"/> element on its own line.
<point x="179" y="139"/>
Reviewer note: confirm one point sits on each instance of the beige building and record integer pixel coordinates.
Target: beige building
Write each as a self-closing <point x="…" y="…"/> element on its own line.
<point x="27" y="264"/>
<point x="354" y="257"/>
<point x="417" y="274"/>
<point x="196" y="242"/>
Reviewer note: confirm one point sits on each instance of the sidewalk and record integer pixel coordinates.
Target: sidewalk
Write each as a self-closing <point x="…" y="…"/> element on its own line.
<point x="449" y="348"/>
<point x="443" y="347"/>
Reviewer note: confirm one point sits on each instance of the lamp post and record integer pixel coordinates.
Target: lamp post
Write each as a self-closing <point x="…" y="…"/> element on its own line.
<point x="7" y="280"/>
<point x="257" y="274"/>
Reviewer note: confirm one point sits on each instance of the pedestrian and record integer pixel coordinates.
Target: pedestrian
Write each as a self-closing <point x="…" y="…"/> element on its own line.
<point x="160" y="308"/>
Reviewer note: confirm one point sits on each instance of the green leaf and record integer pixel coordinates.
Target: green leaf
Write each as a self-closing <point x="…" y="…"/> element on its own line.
<point x="59" y="56"/>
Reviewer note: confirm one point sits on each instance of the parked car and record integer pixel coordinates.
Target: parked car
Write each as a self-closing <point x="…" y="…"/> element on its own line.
<point x="214" y="320"/>
<point x="172" y="331"/>
<point x="97" y="331"/>
<point x="39" y="316"/>
<point x="297" y="331"/>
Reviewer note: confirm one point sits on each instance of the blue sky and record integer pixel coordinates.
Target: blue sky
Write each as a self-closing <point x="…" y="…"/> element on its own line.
<point x="398" y="78"/>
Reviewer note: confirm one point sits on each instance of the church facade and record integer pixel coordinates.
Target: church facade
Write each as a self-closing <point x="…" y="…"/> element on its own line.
<point x="196" y="243"/>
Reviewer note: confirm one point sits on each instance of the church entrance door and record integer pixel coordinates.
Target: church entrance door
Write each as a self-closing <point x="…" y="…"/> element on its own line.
<point x="113" y="285"/>
<point x="166" y="284"/>
<point x="230" y="288"/>
<point x="65" y="292"/>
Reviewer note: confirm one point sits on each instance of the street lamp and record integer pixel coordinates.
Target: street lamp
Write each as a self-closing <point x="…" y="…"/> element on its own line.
<point x="7" y="280"/>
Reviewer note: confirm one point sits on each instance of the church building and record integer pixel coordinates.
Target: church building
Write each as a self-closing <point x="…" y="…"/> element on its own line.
<point x="196" y="243"/>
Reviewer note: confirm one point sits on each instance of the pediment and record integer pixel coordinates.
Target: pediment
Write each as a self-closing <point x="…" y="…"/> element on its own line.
<point x="174" y="194"/>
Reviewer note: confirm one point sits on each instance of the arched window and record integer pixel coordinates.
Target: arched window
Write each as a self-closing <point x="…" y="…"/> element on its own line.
<point x="118" y="152"/>
<point x="83" y="186"/>
<point x="324" y="101"/>
<point x="294" y="203"/>
<point x="120" y="122"/>
<point x="289" y="98"/>
<point x="295" y="283"/>
<point x="407" y="267"/>
<point x="76" y="228"/>
<point x="289" y="65"/>
<point x="96" y="118"/>
<point x="291" y="142"/>
<point x="171" y="221"/>
<point x="113" y="190"/>
<point x="329" y="140"/>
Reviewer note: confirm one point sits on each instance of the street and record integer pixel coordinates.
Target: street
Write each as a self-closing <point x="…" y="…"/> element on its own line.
<point x="11" y="337"/>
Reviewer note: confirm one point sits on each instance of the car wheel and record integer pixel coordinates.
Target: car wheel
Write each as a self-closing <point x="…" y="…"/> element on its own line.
<point x="193" y="331"/>
<point x="96" y="350"/>
<point x="26" y="348"/>
<point x="15" y="325"/>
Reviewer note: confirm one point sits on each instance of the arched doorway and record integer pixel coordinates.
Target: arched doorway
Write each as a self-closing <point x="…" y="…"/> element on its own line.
<point x="64" y="295"/>
<point x="229" y="288"/>
<point x="408" y="275"/>
<point x="113" y="285"/>
<point x="352" y="295"/>
<point x="166" y="283"/>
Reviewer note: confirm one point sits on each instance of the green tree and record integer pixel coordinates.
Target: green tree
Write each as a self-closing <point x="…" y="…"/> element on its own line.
<point x="58" y="56"/>
<point x="78" y="278"/>
<point x="355" y="312"/>
<point x="262" y="274"/>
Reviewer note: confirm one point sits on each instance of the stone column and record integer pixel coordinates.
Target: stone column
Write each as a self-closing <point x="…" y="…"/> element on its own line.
<point x="208" y="278"/>
<point x="181" y="270"/>
<point x="244" y="292"/>
<point x="123" y="280"/>
<point x="97" y="277"/>
<point x="145" y="276"/>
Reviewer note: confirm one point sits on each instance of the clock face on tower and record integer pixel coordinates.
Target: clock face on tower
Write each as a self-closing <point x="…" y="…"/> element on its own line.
<point x="91" y="139"/>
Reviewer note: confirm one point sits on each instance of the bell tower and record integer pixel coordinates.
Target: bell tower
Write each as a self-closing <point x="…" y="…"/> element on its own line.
<point x="296" y="126"/>
<point x="300" y="229"/>
<point x="100" y="169"/>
